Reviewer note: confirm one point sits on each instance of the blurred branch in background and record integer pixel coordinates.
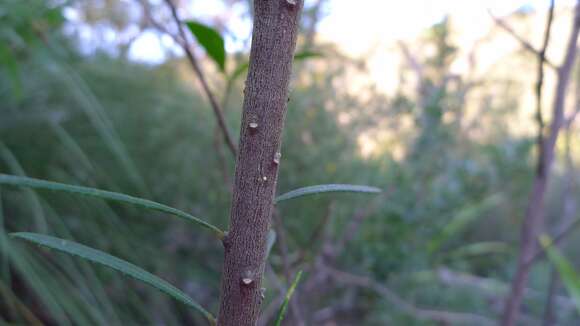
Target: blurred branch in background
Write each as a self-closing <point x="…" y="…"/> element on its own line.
<point x="525" y="44"/>
<point x="443" y="115"/>
<point x="535" y="210"/>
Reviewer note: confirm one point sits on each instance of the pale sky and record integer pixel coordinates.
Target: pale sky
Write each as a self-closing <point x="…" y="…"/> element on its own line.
<point x="358" y="26"/>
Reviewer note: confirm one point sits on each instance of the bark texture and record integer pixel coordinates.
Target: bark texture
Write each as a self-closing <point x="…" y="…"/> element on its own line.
<point x="265" y="103"/>
<point x="534" y="217"/>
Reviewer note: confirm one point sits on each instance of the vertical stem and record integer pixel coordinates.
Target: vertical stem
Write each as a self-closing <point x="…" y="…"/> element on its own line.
<point x="534" y="217"/>
<point x="264" y="110"/>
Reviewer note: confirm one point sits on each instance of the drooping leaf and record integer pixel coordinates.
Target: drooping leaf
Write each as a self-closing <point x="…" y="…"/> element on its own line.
<point x="312" y="190"/>
<point x="284" y="307"/>
<point x="211" y="41"/>
<point x="106" y="195"/>
<point x="570" y="277"/>
<point x="119" y="265"/>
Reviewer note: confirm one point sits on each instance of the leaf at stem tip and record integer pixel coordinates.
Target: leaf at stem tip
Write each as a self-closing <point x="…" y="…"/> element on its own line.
<point x="312" y="190"/>
<point x="570" y="277"/>
<point x="287" y="298"/>
<point x="105" y="195"/>
<point x="211" y="41"/>
<point x="117" y="264"/>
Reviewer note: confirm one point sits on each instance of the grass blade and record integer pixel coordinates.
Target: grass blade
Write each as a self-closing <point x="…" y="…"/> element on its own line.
<point x="289" y="294"/>
<point x="570" y="277"/>
<point x="312" y="190"/>
<point x="106" y="195"/>
<point x="102" y="258"/>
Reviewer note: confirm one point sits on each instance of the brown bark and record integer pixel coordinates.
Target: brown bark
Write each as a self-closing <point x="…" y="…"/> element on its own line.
<point x="534" y="217"/>
<point x="264" y="110"/>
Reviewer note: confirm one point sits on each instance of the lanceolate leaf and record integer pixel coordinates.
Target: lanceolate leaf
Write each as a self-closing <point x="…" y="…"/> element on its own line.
<point x="312" y="190"/>
<point x="211" y="41"/>
<point x="106" y="195"/>
<point x="101" y="258"/>
<point x="289" y="294"/>
<point x="570" y="277"/>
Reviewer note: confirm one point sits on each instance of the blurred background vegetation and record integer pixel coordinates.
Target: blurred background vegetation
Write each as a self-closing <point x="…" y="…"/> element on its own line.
<point x="452" y="150"/>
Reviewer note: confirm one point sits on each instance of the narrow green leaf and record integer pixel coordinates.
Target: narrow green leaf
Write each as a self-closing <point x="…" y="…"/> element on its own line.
<point x="307" y="55"/>
<point x="570" y="277"/>
<point x="211" y="41"/>
<point x="312" y="190"/>
<point x="124" y="267"/>
<point x="106" y="195"/>
<point x="289" y="294"/>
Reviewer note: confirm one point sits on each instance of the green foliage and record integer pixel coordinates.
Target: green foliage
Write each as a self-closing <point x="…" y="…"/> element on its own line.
<point x="318" y="189"/>
<point x="289" y="293"/>
<point x="103" y="121"/>
<point x="101" y="258"/>
<point x="569" y="276"/>
<point x="211" y="41"/>
<point x="106" y="195"/>
<point x="21" y="23"/>
<point x="462" y="219"/>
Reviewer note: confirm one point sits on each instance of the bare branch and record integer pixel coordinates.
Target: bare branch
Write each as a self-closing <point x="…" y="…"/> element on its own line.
<point x="539" y="84"/>
<point x="535" y="215"/>
<point x="520" y="39"/>
<point x="182" y="41"/>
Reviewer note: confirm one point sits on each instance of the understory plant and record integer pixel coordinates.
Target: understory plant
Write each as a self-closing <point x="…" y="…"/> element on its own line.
<point x="258" y="157"/>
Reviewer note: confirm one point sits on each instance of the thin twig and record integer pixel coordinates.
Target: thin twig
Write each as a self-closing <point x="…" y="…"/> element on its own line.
<point x="520" y="39"/>
<point x="182" y="41"/>
<point x="539" y="84"/>
<point x="535" y="210"/>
